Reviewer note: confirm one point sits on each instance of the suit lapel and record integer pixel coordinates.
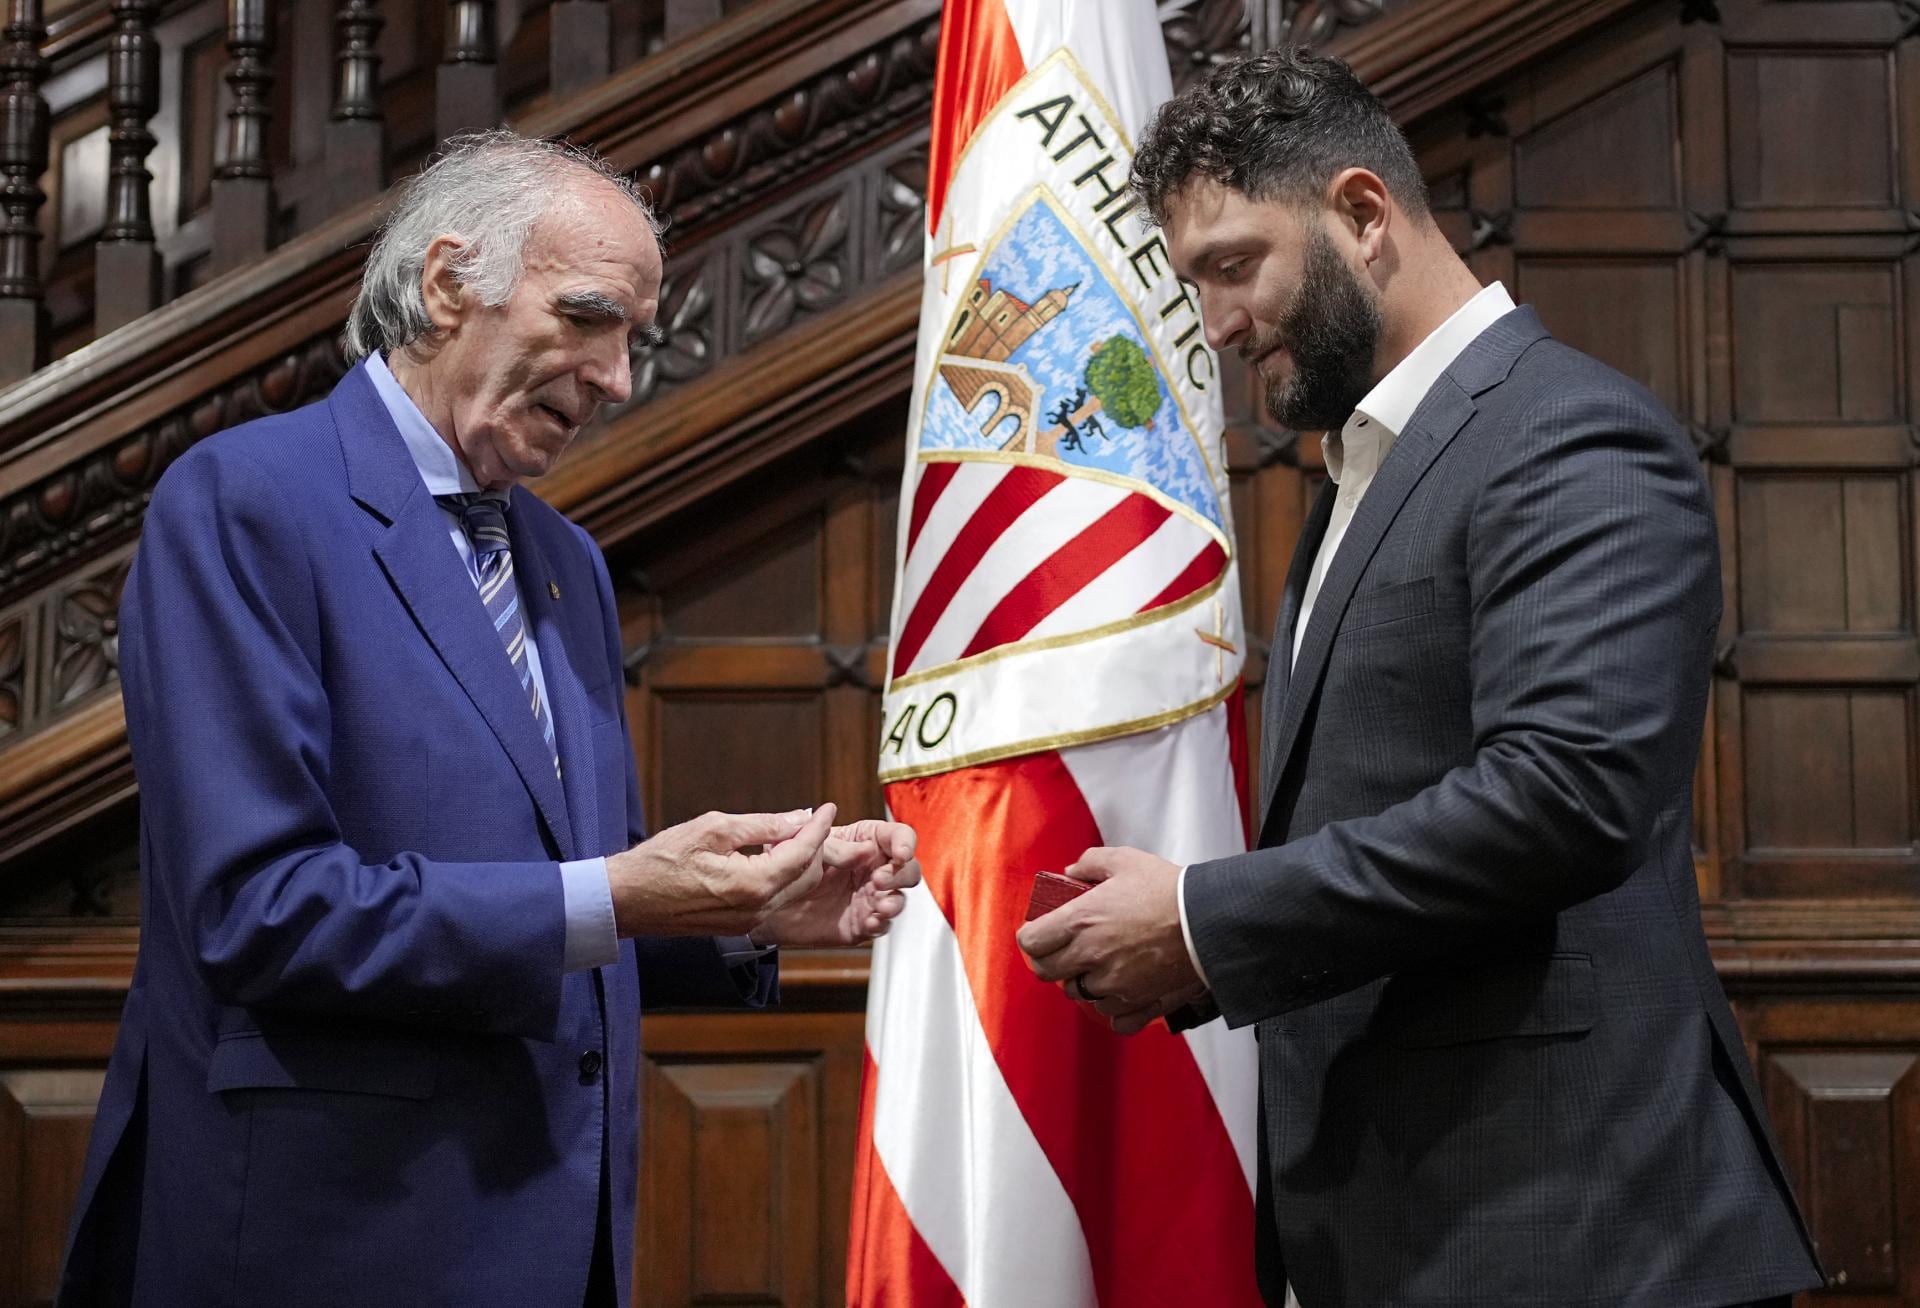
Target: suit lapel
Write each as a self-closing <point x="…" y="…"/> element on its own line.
<point x="417" y="554"/>
<point x="1280" y="649"/>
<point x="1445" y="410"/>
<point x="566" y="698"/>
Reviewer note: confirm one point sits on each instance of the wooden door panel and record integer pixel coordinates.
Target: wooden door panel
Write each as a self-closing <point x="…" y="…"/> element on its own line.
<point x="45" y="1117"/>
<point x="1617" y="150"/>
<point x="1841" y="1078"/>
<point x="748" y="1167"/>
<point x="1629" y="313"/>
<point x="1842" y="1117"/>
<point x="1822" y="553"/>
<point x="1817" y="342"/>
<point x="1811" y="128"/>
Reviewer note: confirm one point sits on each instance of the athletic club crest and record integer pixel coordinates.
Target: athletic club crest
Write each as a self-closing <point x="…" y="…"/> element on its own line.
<point x="1066" y="549"/>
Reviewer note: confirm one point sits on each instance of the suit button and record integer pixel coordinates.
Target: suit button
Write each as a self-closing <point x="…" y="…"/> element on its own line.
<point x="589" y="1066"/>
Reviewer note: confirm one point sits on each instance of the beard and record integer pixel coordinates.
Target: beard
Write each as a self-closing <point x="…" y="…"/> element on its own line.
<point x="1331" y="331"/>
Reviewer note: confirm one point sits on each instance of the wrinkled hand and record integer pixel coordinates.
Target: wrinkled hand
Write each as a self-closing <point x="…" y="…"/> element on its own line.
<point x="1117" y="948"/>
<point x="694" y="879"/>
<point x="866" y="868"/>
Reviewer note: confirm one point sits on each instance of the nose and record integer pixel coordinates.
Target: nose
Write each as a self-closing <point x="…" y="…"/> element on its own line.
<point x="1225" y="323"/>
<point x="608" y="375"/>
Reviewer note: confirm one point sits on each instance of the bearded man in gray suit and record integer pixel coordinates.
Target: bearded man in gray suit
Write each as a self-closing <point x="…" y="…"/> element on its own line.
<point x="1496" y="1065"/>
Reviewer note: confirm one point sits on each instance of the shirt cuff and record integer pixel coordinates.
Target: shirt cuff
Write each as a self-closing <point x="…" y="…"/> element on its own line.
<point x="738" y="951"/>
<point x="1186" y="932"/>
<point x="592" y="940"/>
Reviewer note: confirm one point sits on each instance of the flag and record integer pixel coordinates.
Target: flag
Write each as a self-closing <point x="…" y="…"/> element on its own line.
<point x="1064" y="673"/>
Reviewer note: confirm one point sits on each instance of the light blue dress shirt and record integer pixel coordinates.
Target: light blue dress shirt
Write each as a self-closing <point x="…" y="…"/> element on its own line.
<point x="591" y="939"/>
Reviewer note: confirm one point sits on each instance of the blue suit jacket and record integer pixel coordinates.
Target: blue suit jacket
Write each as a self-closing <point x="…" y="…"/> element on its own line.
<point x="351" y="1068"/>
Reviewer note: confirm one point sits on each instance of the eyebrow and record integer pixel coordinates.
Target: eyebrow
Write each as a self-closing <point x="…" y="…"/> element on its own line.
<point x="1203" y="258"/>
<point x="593" y="304"/>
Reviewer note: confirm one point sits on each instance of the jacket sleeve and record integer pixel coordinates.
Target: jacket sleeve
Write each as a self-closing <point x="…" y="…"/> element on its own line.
<point x="1593" y="569"/>
<point x="675" y="971"/>
<point x="227" y="713"/>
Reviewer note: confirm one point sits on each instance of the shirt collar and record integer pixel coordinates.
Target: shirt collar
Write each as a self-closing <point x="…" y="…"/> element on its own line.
<point x="1389" y="406"/>
<point x="440" y="468"/>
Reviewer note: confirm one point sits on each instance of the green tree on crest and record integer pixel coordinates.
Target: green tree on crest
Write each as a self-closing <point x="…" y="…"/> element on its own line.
<point x="1123" y="379"/>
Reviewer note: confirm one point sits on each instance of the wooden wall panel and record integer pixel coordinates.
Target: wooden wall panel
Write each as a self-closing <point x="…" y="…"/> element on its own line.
<point x="1842" y="1083"/>
<point x="748" y="1167"/>
<point x="1816" y="342"/>
<point x="45" y="1116"/>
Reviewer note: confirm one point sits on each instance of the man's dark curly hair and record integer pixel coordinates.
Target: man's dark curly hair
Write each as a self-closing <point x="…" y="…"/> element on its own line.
<point x="1278" y="125"/>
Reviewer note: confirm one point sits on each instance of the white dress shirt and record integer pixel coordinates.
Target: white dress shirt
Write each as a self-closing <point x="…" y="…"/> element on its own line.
<point x="1355" y="452"/>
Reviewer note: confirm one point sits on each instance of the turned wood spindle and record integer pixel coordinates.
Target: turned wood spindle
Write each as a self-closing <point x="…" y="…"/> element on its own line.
<point x="243" y="179"/>
<point x="579" y="45"/>
<point x="357" y="129"/>
<point x="467" y="84"/>
<point x="23" y="158"/>
<point x="685" y="17"/>
<point x="126" y="267"/>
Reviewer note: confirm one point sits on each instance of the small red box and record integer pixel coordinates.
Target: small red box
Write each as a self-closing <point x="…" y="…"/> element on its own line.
<point x="1050" y="890"/>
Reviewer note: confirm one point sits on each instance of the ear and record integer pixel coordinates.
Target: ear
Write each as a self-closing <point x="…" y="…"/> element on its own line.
<point x="447" y="300"/>
<point x="1363" y="208"/>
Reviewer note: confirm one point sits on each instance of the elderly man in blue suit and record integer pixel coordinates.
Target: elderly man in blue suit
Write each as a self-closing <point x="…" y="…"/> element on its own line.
<point x="400" y="909"/>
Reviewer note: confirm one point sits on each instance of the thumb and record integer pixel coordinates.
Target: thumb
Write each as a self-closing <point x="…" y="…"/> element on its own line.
<point x="805" y="842"/>
<point x="792" y="860"/>
<point x="1096" y="865"/>
<point x="738" y="829"/>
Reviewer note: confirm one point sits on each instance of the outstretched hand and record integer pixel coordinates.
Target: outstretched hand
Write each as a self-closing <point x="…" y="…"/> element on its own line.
<point x="697" y="879"/>
<point x="865" y="868"/>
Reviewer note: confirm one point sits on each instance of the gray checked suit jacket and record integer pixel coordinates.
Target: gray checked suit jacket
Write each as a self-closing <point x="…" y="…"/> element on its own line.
<point x="1496" y="1065"/>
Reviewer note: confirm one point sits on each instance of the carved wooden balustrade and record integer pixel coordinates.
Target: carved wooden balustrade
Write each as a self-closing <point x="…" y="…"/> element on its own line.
<point x="148" y="146"/>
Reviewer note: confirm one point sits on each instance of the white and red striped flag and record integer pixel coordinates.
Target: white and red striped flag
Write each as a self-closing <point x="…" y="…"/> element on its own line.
<point x="1065" y="672"/>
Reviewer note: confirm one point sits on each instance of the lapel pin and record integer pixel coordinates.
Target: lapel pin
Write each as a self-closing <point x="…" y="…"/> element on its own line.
<point x="553" y="589"/>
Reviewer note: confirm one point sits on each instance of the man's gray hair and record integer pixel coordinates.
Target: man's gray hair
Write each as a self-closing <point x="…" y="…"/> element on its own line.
<point x="490" y="188"/>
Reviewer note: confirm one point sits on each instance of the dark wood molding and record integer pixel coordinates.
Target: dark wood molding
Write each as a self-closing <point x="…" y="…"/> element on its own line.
<point x="62" y="776"/>
<point x="1423" y="56"/>
<point x="66" y="971"/>
<point x="779" y="397"/>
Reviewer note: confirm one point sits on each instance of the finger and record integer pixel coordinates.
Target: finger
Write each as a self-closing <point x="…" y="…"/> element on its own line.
<point x="812" y="835"/>
<point x="1097" y="864"/>
<point x="790" y="860"/>
<point x="736" y="830"/>
<point x="1047" y="934"/>
<point x="1145" y="1015"/>
<point x="900" y="841"/>
<point x="1061" y="964"/>
<point x="1113" y="1007"/>
<point x="891" y="877"/>
<point x="854" y="857"/>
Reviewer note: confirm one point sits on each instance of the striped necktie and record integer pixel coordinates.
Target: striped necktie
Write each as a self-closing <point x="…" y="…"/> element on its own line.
<point x="484" y="515"/>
